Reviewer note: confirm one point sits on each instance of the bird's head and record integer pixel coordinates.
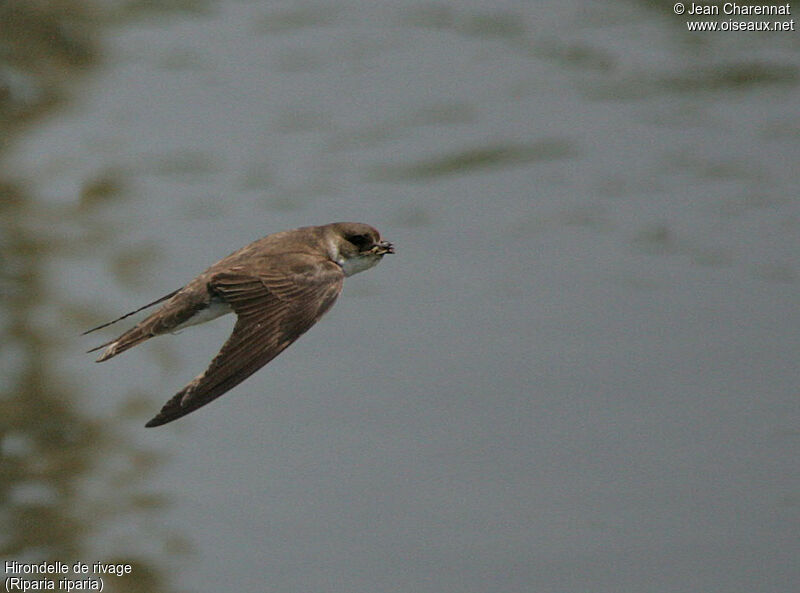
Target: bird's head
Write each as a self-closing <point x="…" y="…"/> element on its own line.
<point x="356" y="246"/>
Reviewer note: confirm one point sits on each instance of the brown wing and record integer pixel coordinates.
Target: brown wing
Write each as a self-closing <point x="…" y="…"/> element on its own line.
<point x="273" y="311"/>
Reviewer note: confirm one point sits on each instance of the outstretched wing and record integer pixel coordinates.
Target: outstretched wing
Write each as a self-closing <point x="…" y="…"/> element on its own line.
<point x="273" y="311"/>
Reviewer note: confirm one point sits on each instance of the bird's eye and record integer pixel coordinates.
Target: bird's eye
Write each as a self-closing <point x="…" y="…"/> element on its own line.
<point x="360" y="241"/>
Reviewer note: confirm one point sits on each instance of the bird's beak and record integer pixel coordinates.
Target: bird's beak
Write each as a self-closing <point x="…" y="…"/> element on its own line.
<point x="383" y="248"/>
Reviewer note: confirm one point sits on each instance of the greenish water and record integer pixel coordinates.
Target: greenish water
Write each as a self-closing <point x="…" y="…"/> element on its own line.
<point x="578" y="372"/>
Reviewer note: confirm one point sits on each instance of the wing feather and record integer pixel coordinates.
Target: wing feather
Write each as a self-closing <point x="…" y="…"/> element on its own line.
<point x="273" y="310"/>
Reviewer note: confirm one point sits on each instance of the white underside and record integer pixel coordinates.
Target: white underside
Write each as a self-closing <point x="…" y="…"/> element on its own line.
<point x="214" y="310"/>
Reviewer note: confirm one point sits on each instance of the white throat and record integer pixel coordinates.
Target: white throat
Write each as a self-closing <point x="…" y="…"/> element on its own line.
<point x="354" y="265"/>
<point x="351" y="265"/>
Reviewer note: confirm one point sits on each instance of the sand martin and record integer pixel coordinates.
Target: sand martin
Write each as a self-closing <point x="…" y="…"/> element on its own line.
<point x="278" y="286"/>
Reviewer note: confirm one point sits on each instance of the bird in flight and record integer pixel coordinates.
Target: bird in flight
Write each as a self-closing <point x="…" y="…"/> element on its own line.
<point x="278" y="286"/>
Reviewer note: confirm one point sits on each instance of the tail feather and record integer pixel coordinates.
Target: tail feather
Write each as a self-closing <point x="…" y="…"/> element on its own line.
<point x="101" y="326"/>
<point x="132" y="337"/>
<point x="96" y="348"/>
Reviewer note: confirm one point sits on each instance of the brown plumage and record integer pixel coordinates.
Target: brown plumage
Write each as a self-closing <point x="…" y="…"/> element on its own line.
<point x="278" y="286"/>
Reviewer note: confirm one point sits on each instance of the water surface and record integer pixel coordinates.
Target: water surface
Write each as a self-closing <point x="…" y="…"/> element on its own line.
<point x="579" y="372"/>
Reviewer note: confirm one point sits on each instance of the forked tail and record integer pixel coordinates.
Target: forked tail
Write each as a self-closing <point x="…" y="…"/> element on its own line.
<point x="101" y="326"/>
<point x="130" y="338"/>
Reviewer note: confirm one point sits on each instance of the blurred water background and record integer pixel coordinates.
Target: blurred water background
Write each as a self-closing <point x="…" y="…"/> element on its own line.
<point x="579" y="372"/>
